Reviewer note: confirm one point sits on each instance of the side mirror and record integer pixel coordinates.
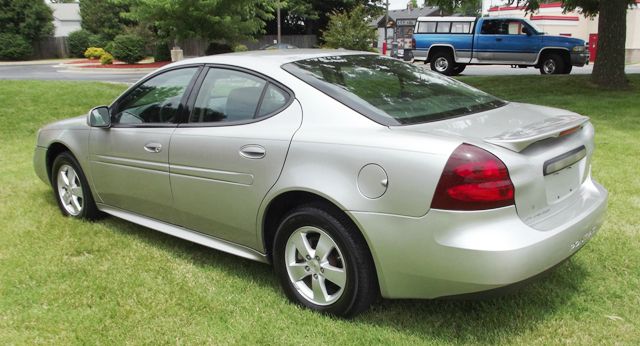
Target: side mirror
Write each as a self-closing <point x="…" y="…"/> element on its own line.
<point x="99" y="117"/>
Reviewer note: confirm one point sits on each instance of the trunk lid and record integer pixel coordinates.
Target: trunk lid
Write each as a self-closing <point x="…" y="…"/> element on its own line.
<point x="546" y="150"/>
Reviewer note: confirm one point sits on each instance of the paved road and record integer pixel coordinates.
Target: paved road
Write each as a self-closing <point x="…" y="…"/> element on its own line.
<point x="52" y="72"/>
<point x="498" y="70"/>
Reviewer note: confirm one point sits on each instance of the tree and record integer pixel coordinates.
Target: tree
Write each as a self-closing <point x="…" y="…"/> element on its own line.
<point x="229" y="20"/>
<point x="105" y="17"/>
<point x="608" y="71"/>
<point x="312" y="16"/>
<point x="31" y="19"/>
<point x="349" y="30"/>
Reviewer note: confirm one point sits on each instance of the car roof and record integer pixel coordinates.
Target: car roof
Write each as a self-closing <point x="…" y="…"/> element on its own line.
<point x="446" y="19"/>
<point x="267" y="58"/>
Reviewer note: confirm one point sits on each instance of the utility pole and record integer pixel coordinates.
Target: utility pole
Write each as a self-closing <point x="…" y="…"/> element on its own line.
<point x="386" y="23"/>
<point x="279" y="25"/>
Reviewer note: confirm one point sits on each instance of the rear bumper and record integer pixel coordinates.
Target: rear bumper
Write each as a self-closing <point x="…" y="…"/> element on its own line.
<point x="580" y="59"/>
<point x="450" y="253"/>
<point x="419" y="54"/>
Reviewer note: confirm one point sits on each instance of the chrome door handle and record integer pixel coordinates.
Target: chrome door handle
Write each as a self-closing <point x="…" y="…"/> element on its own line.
<point x="253" y="151"/>
<point x="153" y="147"/>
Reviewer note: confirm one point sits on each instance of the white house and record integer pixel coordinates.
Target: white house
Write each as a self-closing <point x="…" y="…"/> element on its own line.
<point x="66" y="18"/>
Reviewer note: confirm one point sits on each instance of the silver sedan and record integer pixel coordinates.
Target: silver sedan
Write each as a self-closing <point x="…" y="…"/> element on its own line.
<point x="353" y="174"/>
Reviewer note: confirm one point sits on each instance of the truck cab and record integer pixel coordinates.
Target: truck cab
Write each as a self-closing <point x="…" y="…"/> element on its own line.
<point x="449" y="44"/>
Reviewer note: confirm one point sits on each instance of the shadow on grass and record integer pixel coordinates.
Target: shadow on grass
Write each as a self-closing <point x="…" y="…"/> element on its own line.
<point x="479" y="320"/>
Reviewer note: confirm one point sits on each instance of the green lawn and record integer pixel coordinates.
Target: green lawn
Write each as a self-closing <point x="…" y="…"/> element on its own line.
<point x="111" y="282"/>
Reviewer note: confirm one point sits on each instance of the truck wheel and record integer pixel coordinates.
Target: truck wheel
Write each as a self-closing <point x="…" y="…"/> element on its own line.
<point x="442" y="62"/>
<point x="552" y="64"/>
<point x="458" y="69"/>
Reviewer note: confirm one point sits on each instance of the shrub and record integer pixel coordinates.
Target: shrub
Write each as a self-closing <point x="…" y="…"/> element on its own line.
<point x="98" y="41"/>
<point x="79" y="42"/>
<point x="349" y="30"/>
<point x="162" y="51"/>
<point x="106" y="59"/>
<point x="240" y="48"/>
<point x="218" y="48"/>
<point x="14" y="47"/>
<point x="94" y="53"/>
<point x="128" y="48"/>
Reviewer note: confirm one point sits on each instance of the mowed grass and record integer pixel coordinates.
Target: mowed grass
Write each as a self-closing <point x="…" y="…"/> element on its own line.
<point x="64" y="281"/>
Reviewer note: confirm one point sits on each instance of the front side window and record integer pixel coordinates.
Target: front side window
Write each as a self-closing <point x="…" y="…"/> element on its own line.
<point x="156" y="100"/>
<point x="232" y="96"/>
<point x="391" y="92"/>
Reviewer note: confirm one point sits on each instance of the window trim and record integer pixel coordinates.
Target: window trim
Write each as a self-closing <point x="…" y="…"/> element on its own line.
<point x="471" y="28"/>
<point x="181" y="106"/>
<point x="184" y="121"/>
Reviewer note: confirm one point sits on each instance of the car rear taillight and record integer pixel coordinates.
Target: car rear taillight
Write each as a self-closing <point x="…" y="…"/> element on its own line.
<point x="473" y="179"/>
<point x="413" y="43"/>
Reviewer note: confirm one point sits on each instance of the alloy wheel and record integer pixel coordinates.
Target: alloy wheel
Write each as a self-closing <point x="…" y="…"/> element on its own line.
<point x="70" y="190"/>
<point x="315" y="265"/>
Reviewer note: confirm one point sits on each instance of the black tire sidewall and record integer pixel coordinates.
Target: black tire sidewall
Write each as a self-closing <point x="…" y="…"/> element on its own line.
<point x="560" y="66"/>
<point x="308" y="216"/>
<point x="88" y="208"/>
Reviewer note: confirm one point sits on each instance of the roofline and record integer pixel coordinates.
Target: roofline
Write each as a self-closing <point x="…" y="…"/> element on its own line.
<point x="447" y="19"/>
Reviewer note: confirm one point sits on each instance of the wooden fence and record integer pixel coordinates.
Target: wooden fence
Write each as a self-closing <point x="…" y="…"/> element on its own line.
<point x="51" y="48"/>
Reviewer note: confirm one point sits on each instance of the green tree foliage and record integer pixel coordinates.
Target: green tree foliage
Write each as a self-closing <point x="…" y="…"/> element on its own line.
<point x="608" y="71"/>
<point x="349" y="30"/>
<point x="312" y="16"/>
<point x="229" y="20"/>
<point x="79" y="41"/>
<point x="14" y="47"/>
<point x="105" y="17"/>
<point x="31" y="19"/>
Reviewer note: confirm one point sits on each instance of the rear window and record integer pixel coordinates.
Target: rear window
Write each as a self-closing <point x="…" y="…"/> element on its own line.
<point x="426" y="27"/>
<point x="389" y="91"/>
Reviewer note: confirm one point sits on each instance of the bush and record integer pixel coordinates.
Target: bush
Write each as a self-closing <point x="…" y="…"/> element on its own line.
<point x="79" y="42"/>
<point x="98" y="41"/>
<point x="106" y="59"/>
<point x="218" y="48"/>
<point x="240" y="48"/>
<point x="94" y="53"/>
<point x="349" y="30"/>
<point x="162" y="52"/>
<point x="129" y="48"/>
<point x="14" y="47"/>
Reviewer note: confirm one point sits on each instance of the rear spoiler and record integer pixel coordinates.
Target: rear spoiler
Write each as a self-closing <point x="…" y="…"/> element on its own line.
<point x="520" y="138"/>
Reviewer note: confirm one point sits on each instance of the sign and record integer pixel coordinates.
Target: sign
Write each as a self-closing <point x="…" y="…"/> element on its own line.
<point x="405" y="22"/>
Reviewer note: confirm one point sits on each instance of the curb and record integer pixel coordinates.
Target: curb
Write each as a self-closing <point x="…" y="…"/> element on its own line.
<point x="74" y="69"/>
<point x="35" y="62"/>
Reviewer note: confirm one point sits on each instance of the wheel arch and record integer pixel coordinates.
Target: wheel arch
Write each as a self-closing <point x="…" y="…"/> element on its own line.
<point x="563" y="52"/>
<point x="55" y="149"/>
<point x="440" y="48"/>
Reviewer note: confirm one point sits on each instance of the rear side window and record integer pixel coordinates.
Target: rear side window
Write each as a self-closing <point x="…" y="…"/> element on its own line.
<point x="443" y="27"/>
<point x="460" y="27"/>
<point x="490" y="27"/>
<point x="426" y="27"/>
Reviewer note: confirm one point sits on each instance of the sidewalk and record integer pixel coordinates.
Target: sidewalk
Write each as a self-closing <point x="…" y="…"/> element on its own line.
<point x="36" y="62"/>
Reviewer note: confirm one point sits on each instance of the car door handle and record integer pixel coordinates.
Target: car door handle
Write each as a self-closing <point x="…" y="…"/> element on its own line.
<point x="499" y="39"/>
<point x="253" y="151"/>
<point x="153" y="147"/>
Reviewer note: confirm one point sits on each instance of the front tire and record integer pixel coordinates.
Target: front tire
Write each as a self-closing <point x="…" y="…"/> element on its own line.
<point x="323" y="263"/>
<point x="458" y="69"/>
<point x="552" y="64"/>
<point x="71" y="188"/>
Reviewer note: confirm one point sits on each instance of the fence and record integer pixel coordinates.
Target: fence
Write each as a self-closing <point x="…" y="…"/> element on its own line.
<point x="57" y="47"/>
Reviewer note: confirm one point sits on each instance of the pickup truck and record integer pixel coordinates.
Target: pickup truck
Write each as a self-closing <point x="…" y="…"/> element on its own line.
<point x="449" y="44"/>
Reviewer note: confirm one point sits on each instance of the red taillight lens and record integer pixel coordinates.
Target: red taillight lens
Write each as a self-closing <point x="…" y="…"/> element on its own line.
<point x="473" y="179"/>
<point x="413" y="43"/>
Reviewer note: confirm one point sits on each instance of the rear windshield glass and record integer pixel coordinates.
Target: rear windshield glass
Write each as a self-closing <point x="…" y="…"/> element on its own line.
<point x="389" y="91"/>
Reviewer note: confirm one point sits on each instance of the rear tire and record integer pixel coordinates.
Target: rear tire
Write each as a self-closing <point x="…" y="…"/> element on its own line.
<point x="323" y="262"/>
<point x="442" y="62"/>
<point x="71" y="189"/>
<point x="552" y="64"/>
<point x="567" y="69"/>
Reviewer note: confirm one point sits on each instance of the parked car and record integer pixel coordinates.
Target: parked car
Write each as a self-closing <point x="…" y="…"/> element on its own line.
<point x="353" y="174"/>
<point x="449" y="44"/>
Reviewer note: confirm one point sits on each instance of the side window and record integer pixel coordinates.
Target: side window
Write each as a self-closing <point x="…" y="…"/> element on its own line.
<point x="426" y="27"/>
<point x="443" y="27"/>
<point x="460" y="27"/>
<point x="230" y="96"/>
<point x="490" y="27"/>
<point x="514" y="27"/>
<point x="156" y="100"/>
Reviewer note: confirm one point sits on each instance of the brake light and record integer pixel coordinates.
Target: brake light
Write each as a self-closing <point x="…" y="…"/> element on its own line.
<point x="413" y="43"/>
<point x="473" y="179"/>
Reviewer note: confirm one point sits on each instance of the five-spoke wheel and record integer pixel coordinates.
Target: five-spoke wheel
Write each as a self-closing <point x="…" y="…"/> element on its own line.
<point x="71" y="188"/>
